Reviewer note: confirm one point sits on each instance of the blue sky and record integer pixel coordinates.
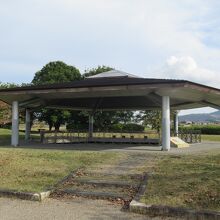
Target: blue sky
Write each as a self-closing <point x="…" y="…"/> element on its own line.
<point x="152" y="38"/>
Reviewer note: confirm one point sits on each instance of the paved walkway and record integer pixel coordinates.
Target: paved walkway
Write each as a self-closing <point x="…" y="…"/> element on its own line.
<point x="77" y="209"/>
<point x="194" y="148"/>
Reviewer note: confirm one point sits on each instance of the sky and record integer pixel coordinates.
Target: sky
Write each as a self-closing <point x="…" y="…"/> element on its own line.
<point x="150" y="38"/>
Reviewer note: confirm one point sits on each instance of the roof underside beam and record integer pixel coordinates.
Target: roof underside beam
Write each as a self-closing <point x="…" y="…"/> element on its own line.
<point x="211" y="104"/>
<point x="30" y="102"/>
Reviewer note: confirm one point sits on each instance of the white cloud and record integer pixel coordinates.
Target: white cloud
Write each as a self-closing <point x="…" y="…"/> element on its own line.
<point x="136" y="36"/>
<point x="185" y="67"/>
<point x="132" y="35"/>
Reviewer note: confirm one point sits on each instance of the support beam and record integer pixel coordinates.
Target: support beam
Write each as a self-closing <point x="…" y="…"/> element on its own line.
<point x="91" y="125"/>
<point x="176" y="123"/>
<point x="29" y="102"/>
<point x="27" y="125"/>
<point x="15" y="124"/>
<point x="166" y="123"/>
<point x="211" y="104"/>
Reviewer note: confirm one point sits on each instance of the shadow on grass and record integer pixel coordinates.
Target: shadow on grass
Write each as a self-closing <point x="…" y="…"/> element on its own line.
<point x="85" y="147"/>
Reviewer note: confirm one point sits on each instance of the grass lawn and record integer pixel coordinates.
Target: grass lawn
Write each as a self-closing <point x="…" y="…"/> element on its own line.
<point x="185" y="181"/>
<point x="190" y="181"/>
<point x="33" y="170"/>
<point x="210" y="137"/>
<point x="5" y="136"/>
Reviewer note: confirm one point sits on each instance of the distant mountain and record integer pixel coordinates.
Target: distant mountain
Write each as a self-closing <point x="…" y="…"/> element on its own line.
<point x="210" y="117"/>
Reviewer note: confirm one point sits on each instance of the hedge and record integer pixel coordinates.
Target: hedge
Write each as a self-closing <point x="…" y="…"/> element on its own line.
<point x="131" y="127"/>
<point x="205" y="129"/>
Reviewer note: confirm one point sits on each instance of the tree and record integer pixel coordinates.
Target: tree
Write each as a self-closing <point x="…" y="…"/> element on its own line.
<point x="55" y="72"/>
<point x="5" y="109"/>
<point x="95" y="71"/>
<point x="153" y="118"/>
<point x="103" y="120"/>
<point x="79" y="120"/>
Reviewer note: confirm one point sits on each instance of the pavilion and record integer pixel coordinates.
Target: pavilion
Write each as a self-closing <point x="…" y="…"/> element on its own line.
<point x="112" y="90"/>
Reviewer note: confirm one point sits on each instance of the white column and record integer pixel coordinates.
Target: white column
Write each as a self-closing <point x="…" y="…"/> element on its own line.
<point x="90" y="125"/>
<point x="15" y="124"/>
<point x="27" y="125"/>
<point x="166" y="123"/>
<point x="176" y="123"/>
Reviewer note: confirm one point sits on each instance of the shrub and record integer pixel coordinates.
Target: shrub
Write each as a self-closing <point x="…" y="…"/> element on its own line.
<point x="131" y="127"/>
<point x="6" y="125"/>
<point x="77" y="127"/>
<point x="205" y="129"/>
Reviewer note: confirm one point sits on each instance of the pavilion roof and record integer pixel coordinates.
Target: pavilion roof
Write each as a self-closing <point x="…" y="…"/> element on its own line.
<point x="99" y="81"/>
<point x="114" y="90"/>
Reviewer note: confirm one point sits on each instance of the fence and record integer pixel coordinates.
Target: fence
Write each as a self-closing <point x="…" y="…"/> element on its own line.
<point x="190" y="136"/>
<point x="73" y="136"/>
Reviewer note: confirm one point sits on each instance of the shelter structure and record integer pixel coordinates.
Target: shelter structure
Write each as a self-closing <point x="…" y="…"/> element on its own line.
<point x="112" y="90"/>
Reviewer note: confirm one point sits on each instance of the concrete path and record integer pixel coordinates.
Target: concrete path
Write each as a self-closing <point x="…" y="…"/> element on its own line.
<point x="77" y="209"/>
<point x="194" y="148"/>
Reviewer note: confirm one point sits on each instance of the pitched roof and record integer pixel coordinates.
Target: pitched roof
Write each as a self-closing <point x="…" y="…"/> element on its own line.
<point x="114" y="73"/>
<point x="116" y="91"/>
<point x="98" y="82"/>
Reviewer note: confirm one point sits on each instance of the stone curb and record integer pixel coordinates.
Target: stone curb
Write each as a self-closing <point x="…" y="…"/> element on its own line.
<point x="159" y="210"/>
<point x="97" y="195"/>
<point x="107" y="183"/>
<point x="44" y="195"/>
<point x="25" y="195"/>
<point x="60" y="182"/>
<point x="36" y="196"/>
<point x="142" y="188"/>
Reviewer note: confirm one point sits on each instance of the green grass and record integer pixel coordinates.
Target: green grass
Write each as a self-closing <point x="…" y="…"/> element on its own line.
<point x="5" y="136"/>
<point x="185" y="181"/>
<point x="190" y="181"/>
<point x="33" y="170"/>
<point x="210" y="137"/>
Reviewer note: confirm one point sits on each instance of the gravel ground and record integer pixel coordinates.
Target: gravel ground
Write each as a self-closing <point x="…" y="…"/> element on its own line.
<point x="78" y="208"/>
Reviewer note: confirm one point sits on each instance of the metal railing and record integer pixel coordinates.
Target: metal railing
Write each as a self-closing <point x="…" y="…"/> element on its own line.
<point x="190" y="136"/>
<point x="73" y="136"/>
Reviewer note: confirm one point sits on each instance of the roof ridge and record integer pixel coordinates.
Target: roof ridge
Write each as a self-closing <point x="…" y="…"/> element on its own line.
<point x="113" y="73"/>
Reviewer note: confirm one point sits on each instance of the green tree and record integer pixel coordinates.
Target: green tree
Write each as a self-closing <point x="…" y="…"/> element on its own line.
<point x="153" y="118"/>
<point x="103" y="120"/>
<point x="55" y="72"/>
<point x="95" y="71"/>
<point x="79" y="120"/>
<point x="5" y="109"/>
